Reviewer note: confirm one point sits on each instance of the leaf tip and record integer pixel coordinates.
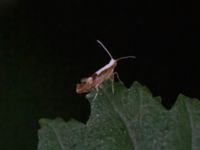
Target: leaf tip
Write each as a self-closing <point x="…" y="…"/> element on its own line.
<point x="138" y="85"/>
<point x="43" y="122"/>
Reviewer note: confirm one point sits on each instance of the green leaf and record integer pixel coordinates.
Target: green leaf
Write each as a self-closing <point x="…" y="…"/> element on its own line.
<point x="129" y="119"/>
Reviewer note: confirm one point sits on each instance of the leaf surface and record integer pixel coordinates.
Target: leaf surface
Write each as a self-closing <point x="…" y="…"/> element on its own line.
<point x="129" y="119"/>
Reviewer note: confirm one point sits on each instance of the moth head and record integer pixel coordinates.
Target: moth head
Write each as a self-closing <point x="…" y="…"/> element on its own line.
<point x="85" y="85"/>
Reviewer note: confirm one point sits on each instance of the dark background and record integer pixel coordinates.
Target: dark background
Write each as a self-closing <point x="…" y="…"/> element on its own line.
<point x="47" y="47"/>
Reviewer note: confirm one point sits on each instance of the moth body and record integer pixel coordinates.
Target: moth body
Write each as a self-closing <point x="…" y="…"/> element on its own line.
<point x="103" y="74"/>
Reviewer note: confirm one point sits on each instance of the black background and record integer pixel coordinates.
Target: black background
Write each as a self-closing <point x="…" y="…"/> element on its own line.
<point x="46" y="47"/>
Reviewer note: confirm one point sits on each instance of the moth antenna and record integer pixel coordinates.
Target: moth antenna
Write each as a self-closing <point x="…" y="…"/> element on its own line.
<point x="105" y="48"/>
<point x="126" y="57"/>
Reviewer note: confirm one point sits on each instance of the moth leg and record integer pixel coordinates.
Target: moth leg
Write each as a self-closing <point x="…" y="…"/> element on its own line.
<point x="112" y="80"/>
<point x="97" y="92"/>
<point x="95" y="96"/>
<point x="117" y="75"/>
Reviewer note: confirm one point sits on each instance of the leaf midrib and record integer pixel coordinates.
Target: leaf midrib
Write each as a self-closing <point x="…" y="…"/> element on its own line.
<point x="57" y="136"/>
<point x="134" y="143"/>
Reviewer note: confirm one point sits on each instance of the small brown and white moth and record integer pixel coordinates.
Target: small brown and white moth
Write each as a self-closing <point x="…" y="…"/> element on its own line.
<point x="105" y="73"/>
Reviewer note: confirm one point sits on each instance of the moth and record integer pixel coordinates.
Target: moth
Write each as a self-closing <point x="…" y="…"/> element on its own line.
<point x="105" y="73"/>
